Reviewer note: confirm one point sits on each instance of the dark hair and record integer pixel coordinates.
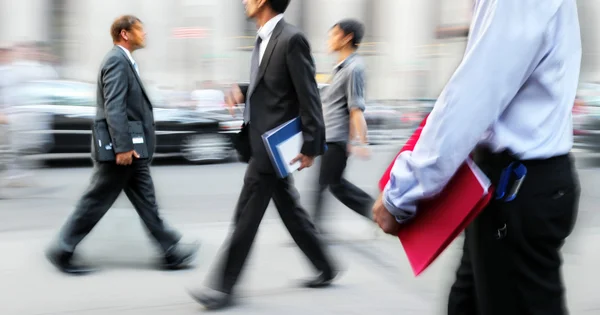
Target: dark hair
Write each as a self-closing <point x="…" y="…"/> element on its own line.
<point x="354" y="27"/>
<point x="279" y="6"/>
<point x="124" y="22"/>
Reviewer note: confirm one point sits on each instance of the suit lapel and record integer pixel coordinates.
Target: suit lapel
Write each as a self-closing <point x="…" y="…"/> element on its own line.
<point x="267" y="55"/>
<point x="137" y="77"/>
<point x="141" y="84"/>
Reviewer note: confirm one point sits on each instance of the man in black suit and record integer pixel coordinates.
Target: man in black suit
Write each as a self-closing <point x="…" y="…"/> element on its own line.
<point x="121" y="98"/>
<point x="282" y="86"/>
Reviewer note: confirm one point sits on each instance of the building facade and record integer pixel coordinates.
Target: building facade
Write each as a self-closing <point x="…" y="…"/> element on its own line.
<point x="192" y="41"/>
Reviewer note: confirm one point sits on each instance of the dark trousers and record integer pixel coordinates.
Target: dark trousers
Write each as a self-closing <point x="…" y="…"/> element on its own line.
<point x="256" y="194"/>
<point x="108" y="180"/>
<point x="517" y="270"/>
<point x="333" y="164"/>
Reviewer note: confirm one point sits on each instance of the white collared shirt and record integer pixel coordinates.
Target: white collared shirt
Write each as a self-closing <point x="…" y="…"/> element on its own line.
<point x="265" y="33"/>
<point x="128" y="53"/>
<point x="514" y="90"/>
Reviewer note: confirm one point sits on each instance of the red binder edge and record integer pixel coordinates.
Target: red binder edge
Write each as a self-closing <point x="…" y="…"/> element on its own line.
<point x="418" y="268"/>
<point x="485" y="199"/>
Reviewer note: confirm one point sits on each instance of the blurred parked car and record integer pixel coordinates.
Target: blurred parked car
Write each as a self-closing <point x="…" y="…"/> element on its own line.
<point x="208" y="100"/>
<point x="392" y="121"/>
<point x="70" y="108"/>
<point x="586" y="117"/>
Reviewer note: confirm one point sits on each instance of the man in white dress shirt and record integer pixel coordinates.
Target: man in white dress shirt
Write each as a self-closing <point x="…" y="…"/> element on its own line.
<point x="509" y="100"/>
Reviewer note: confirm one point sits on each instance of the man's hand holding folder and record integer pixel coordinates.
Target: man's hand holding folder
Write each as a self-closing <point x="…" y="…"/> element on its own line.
<point x="384" y="218"/>
<point x="126" y="158"/>
<point x="386" y="221"/>
<point x="441" y="218"/>
<point x="305" y="161"/>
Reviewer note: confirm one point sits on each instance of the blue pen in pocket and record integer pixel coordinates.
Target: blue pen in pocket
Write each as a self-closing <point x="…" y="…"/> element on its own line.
<point x="520" y="171"/>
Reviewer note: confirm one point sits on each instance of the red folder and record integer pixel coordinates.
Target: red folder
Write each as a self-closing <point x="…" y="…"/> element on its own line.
<point x="442" y="218"/>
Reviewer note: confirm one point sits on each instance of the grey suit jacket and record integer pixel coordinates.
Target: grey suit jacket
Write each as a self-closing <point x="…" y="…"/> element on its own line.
<point x="121" y="98"/>
<point x="285" y="88"/>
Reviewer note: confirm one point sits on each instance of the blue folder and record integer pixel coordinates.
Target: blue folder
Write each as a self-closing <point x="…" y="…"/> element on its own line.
<point x="277" y="136"/>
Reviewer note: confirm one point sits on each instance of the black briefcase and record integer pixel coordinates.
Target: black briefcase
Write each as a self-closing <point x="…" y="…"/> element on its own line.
<point x="102" y="142"/>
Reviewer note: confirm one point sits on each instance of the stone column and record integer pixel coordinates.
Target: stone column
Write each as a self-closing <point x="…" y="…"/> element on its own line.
<point x="589" y="24"/>
<point x="24" y="21"/>
<point x="90" y="34"/>
<point x="5" y="24"/>
<point x="157" y="61"/>
<point x="295" y="14"/>
<point x="448" y="52"/>
<point x="228" y="29"/>
<point x="405" y="29"/>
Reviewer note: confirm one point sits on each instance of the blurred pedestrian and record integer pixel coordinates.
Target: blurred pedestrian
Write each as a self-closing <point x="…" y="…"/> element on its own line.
<point x="346" y="129"/>
<point x="11" y="124"/>
<point x="282" y="86"/>
<point x="121" y="98"/>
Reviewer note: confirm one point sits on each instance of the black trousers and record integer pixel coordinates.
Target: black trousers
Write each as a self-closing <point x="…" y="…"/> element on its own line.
<point x="333" y="164"/>
<point x="256" y="194"/>
<point x="107" y="183"/>
<point x="517" y="270"/>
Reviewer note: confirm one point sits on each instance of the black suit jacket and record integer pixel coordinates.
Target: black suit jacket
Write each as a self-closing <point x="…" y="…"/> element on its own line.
<point x="121" y="98"/>
<point x="285" y="88"/>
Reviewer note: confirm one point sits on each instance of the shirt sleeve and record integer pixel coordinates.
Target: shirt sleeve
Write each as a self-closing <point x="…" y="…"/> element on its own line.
<point x="356" y="89"/>
<point x="501" y="54"/>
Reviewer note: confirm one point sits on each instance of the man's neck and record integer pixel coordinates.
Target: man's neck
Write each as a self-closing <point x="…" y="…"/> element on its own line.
<point x="263" y="17"/>
<point x="126" y="46"/>
<point x="345" y="53"/>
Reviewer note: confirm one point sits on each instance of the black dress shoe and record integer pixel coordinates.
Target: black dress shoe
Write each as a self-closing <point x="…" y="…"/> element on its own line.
<point x="180" y="256"/>
<point x="211" y="299"/>
<point x="63" y="261"/>
<point x="323" y="280"/>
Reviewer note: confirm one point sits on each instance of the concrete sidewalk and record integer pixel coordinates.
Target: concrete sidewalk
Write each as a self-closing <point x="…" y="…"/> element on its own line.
<point x="377" y="278"/>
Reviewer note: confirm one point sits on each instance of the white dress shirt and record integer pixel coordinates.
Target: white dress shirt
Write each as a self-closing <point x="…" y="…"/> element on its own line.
<point x="128" y="53"/>
<point x="265" y="33"/>
<point x="514" y="90"/>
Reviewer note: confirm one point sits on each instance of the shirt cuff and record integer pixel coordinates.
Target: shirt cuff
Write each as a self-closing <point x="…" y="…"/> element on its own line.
<point x="401" y="215"/>
<point x="357" y="105"/>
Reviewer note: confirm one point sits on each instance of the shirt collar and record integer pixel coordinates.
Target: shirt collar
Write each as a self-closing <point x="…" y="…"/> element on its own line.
<point x="266" y="30"/>
<point x="344" y="62"/>
<point x="128" y="53"/>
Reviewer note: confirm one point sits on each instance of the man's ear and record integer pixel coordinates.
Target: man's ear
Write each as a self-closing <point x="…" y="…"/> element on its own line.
<point x="348" y="38"/>
<point x="261" y="3"/>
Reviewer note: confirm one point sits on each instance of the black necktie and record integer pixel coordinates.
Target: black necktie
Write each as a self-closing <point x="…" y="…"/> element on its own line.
<point x="254" y="64"/>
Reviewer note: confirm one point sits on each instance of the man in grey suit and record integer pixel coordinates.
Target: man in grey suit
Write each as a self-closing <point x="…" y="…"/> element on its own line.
<point x="121" y="98"/>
